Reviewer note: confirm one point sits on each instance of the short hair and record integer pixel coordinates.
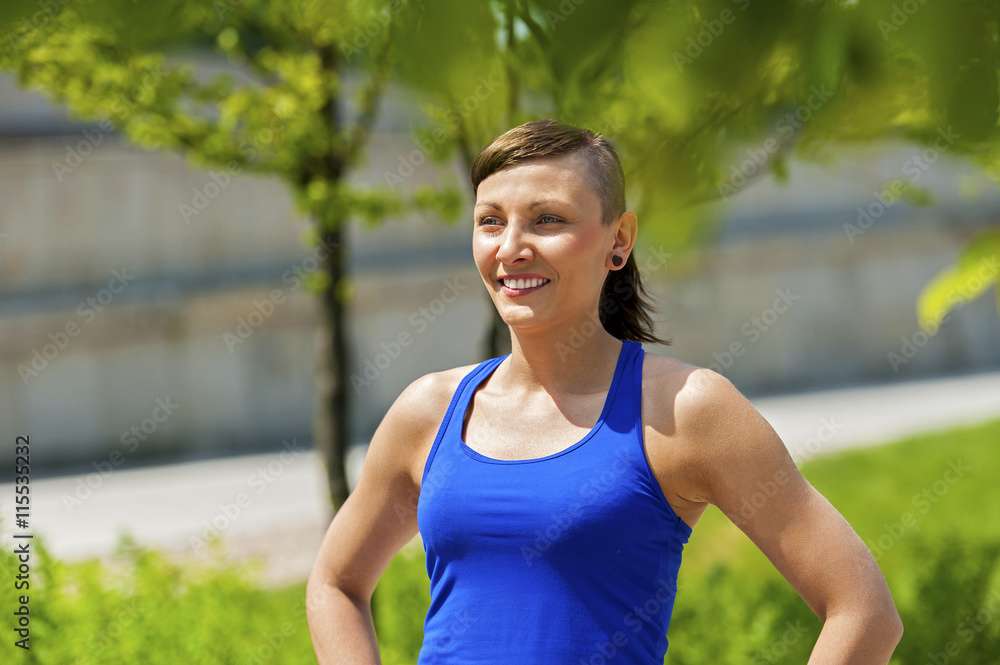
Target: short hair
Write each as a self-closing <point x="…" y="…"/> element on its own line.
<point x="548" y="138"/>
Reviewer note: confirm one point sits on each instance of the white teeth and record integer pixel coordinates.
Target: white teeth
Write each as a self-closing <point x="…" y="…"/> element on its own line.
<point x="523" y="283"/>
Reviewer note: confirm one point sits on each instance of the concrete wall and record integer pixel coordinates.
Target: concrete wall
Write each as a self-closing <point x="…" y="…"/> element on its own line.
<point x="110" y="301"/>
<point x="780" y="315"/>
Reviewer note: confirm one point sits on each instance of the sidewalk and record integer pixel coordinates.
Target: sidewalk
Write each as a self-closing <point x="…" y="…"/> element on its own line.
<point x="879" y="414"/>
<point x="274" y="506"/>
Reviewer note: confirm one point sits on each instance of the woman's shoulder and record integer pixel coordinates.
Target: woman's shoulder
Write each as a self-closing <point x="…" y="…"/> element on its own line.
<point x="692" y="397"/>
<point x="669" y="372"/>
<point x="408" y="429"/>
<point x="696" y="423"/>
<point x="427" y="397"/>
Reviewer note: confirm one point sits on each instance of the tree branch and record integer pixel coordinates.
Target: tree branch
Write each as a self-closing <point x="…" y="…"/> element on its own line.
<point x="360" y="132"/>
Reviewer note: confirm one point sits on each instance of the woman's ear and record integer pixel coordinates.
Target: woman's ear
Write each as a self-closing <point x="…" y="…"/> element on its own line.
<point x="626" y="230"/>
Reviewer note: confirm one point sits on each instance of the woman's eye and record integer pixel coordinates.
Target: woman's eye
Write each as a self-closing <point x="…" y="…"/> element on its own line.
<point x="496" y="223"/>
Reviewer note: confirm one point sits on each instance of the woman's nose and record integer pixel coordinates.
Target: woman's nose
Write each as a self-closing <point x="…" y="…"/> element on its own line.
<point x="515" y="243"/>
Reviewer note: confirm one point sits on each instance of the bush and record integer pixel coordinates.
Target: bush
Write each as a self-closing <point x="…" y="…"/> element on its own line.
<point x="143" y="608"/>
<point x="957" y="592"/>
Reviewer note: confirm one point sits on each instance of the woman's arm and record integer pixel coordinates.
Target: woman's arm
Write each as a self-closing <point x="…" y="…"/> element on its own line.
<point x="735" y="461"/>
<point x="376" y="520"/>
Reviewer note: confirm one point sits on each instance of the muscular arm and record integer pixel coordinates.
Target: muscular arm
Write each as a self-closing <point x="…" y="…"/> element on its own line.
<point x="736" y="462"/>
<point x="375" y="521"/>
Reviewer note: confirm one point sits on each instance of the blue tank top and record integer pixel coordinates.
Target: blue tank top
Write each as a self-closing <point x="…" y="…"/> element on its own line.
<point x="568" y="558"/>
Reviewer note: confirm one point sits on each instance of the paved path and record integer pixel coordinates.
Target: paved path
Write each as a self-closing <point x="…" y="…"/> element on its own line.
<point x="832" y="420"/>
<point x="274" y="506"/>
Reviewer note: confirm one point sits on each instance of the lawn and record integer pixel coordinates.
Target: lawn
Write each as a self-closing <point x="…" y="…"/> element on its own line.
<point x="928" y="506"/>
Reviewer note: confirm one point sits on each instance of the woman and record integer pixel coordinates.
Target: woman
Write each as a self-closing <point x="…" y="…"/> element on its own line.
<point x="558" y="484"/>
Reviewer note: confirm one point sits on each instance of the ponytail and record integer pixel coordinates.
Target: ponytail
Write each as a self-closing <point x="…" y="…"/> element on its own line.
<point x="624" y="306"/>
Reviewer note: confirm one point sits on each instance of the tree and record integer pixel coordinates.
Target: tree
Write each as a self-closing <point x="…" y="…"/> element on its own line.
<point x="298" y="104"/>
<point x="707" y="96"/>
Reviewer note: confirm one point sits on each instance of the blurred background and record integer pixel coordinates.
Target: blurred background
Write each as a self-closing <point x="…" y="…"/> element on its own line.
<point x="232" y="234"/>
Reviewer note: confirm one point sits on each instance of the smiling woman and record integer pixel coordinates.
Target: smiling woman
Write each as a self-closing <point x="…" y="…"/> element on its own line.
<point x="583" y="168"/>
<point x="555" y="492"/>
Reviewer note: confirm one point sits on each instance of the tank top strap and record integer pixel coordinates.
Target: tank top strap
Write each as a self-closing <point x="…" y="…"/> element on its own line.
<point x="646" y="478"/>
<point x="622" y="414"/>
<point x="459" y="404"/>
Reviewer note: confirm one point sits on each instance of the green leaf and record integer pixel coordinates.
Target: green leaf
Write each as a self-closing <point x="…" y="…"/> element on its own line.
<point x="973" y="274"/>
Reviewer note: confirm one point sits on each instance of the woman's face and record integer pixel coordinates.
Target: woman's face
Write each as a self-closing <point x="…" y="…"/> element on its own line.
<point x="541" y="218"/>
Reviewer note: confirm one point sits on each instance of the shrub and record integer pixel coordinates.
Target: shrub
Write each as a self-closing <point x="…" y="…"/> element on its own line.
<point x="144" y="608"/>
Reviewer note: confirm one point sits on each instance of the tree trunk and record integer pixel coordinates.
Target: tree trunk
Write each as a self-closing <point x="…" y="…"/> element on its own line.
<point x="331" y="424"/>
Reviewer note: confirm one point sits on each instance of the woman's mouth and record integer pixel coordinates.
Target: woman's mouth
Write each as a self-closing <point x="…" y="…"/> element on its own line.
<point x="520" y="287"/>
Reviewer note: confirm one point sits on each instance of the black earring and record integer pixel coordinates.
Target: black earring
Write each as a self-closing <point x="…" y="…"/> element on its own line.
<point x="617" y="260"/>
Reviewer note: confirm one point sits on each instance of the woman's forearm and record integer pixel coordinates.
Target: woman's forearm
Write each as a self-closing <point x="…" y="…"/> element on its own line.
<point x="857" y="639"/>
<point x="340" y="626"/>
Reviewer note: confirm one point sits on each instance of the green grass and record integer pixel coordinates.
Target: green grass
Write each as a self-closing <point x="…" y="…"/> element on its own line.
<point x="732" y="605"/>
